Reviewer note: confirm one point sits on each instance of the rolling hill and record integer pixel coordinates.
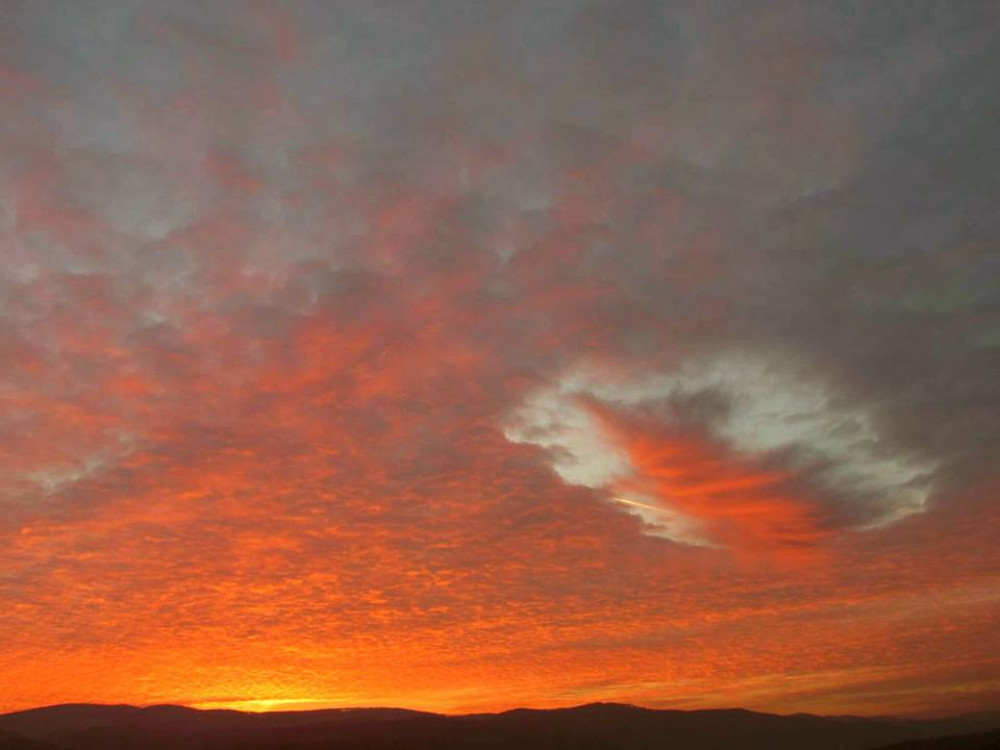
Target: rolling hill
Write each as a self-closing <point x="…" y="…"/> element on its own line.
<point x="600" y="726"/>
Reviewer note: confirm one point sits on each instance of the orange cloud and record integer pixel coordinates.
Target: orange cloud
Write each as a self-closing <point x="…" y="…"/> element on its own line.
<point x="269" y="296"/>
<point x="739" y="502"/>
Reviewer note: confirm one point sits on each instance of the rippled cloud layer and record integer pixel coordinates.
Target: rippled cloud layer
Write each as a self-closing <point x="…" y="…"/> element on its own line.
<point x="457" y="354"/>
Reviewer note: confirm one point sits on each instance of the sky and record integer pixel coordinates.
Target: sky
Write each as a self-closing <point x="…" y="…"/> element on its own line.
<point x="469" y="355"/>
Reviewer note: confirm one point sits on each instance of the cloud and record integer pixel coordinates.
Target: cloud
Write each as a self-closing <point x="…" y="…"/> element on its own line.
<point x="330" y="330"/>
<point x="737" y="445"/>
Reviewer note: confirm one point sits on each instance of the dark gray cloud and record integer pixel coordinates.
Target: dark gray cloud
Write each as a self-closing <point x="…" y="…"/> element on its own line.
<point x="437" y="277"/>
<point x="634" y="182"/>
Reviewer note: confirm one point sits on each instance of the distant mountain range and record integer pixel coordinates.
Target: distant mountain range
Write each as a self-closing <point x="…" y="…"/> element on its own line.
<point x="598" y="726"/>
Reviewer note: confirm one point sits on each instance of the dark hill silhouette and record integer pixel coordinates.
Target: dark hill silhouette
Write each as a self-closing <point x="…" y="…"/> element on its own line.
<point x="599" y="726"/>
<point x="13" y="741"/>
<point x="975" y="741"/>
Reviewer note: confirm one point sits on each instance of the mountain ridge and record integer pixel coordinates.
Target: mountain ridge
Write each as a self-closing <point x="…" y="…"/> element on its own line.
<point x="592" y="726"/>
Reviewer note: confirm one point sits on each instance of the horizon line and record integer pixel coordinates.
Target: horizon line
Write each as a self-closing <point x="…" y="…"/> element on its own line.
<point x="279" y="706"/>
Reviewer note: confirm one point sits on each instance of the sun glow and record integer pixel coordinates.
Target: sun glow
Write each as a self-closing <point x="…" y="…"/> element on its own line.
<point x="262" y="705"/>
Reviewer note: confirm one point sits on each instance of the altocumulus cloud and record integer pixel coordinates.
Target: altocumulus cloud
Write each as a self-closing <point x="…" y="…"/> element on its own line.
<point x="396" y="315"/>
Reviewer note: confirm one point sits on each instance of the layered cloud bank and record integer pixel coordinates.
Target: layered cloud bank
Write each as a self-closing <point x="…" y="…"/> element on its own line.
<point x="456" y="354"/>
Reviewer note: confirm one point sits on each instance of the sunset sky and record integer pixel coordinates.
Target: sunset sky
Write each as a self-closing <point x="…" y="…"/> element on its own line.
<point x="463" y="355"/>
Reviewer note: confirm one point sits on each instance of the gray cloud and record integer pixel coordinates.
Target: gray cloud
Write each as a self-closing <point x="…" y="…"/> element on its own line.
<point x="520" y="191"/>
